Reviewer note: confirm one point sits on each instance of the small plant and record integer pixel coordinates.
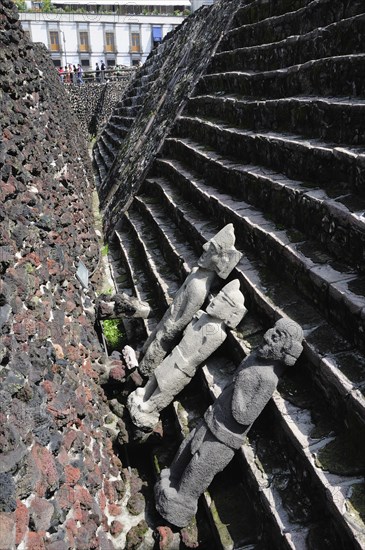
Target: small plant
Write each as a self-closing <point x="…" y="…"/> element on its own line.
<point x="105" y="250"/>
<point x="112" y="329"/>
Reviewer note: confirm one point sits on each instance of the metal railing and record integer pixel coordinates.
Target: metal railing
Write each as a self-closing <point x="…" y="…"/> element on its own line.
<point x="98" y="77"/>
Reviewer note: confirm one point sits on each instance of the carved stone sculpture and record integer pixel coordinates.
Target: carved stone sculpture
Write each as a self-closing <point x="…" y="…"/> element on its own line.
<point x="121" y="306"/>
<point x="211" y="446"/>
<point x="219" y="258"/>
<point x="201" y="338"/>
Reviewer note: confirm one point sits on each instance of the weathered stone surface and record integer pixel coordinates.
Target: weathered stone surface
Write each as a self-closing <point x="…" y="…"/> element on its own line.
<point x="201" y="338"/>
<point x="94" y="103"/>
<point x="184" y="55"/>
<point x="211" y="446"/>
<point x="51" y="406"/>
<point x="219" y="258"/>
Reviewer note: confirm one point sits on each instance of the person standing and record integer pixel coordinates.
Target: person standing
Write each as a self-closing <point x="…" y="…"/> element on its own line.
<point x="79" y="74"/>
<point x="97" y="72"/>
<point x="102" y="68"/>
<point x="61" y="74"/>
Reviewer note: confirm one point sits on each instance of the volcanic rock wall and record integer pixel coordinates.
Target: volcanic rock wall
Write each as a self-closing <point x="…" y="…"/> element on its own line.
<point x="174" y="69"/>
<point x="271" y="140"/>
<point x="59" y="477"/>
<point x="94" y="103"/>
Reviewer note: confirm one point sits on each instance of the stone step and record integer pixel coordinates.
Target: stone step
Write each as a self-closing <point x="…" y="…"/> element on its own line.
<point x="258" y="10"/>
<point x="303" y="437"/>
<point x="124" y="121"/>
<point x="111" y="138"/>
<point x="119" y="131"/>
<point x="234" y="518"/>
<point x="103" y="156"/>
<point x="342" y="38"/>
<point x="338" y="120"/>
<point x="180" y="254"/>
<point x="136" y="274"/>
<point x="146" y="242"/>
<point x="291" y="22"/>
<point x="340" y="76"/>
<point x="336" y="367"/>
<point x="127" y="111"/>
<point x="135" y="101"/>
<point x="336" y="221"/>
<point x="100" y="167"/>
<point x="310" y="269"/>
<point x="298" y="158"/>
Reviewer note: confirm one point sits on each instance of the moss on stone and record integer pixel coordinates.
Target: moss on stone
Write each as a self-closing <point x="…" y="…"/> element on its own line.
<point x="136" y="535"/>
<point x="221" y="527"/>
<point x="357" y="501"/>
<point x="343" y="456"/>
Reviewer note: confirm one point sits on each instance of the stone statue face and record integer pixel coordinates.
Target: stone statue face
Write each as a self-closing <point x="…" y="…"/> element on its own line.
<point x="228" y="305"/>
<point x="276" y="341"/>
<point x="210" y="257"/>
<point x="219" y="254"/>
<point x="282" y="342"/>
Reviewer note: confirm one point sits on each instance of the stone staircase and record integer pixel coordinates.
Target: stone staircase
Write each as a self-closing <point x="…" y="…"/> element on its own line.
<point x="125" y="112"/>
<point x="273" y="141"/>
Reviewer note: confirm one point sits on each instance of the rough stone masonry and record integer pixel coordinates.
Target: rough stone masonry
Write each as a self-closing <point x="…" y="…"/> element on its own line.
<point x="60" y="481"/>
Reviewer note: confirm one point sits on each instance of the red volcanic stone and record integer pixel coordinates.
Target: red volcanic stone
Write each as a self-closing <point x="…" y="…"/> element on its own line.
<point x="7" y="189"/>
<point x="48" y="387"/>
<point x="94" y="479"/>
<point x="19" y="332"/>
<point x="41" y="512"/>
<point x="71" y="530"/>
<point x="52" y="267"/>
<point x="110" y="491"/>
<point x="70" y="306"/>
<point x="89" y="463"/>
<point x="114" y="509"/>
<point x="84" y="394"/>
<point x="117" y="373"/>
<point x="46" y="466"/>
<point x="22" y="520"/>
<point x="35" y="541"/>
<point x="66" y="497"/>
<point x="87" y="369"/>
<point x="116" y="528"/>
<point x="69" y="439"/>
<point x="7" y="531"/>
<point x="77" y="512"/>
<point x="72" y="475"/>
<point x="165" y="537"/>
<point x="7" y="134"/>
<point x="102" y="501"/>
<point x="83" y="496"/>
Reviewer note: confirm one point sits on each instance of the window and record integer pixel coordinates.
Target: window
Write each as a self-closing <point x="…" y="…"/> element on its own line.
<point x="110" y="62"/>
<point x="135" y="42"/>
<point x="109" y="42"/>
<point x="57" y="62"/>
<point x="156" y="35"/>
<point x="84" y="41"/>
<point x="85" y="63"/>
<point x="54" y="41"/>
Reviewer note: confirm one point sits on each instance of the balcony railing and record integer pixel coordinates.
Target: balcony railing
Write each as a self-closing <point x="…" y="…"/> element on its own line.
<point x="100" y="77"/>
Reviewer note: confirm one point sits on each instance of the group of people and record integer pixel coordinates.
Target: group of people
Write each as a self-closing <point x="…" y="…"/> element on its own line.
<point x="100" y="72"/>
<point x="70" y="74"/>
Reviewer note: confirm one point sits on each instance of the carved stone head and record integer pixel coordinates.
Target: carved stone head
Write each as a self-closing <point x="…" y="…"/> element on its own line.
<point x="228" y="305"/>
<point x="219" y="254"/>
<point x="283" y="342"/>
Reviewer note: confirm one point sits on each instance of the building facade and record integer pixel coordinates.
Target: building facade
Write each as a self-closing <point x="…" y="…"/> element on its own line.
<point x="123" y="33"/>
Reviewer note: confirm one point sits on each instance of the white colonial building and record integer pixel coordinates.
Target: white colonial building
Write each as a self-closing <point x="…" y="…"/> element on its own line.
<point x="119" y="33"/>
